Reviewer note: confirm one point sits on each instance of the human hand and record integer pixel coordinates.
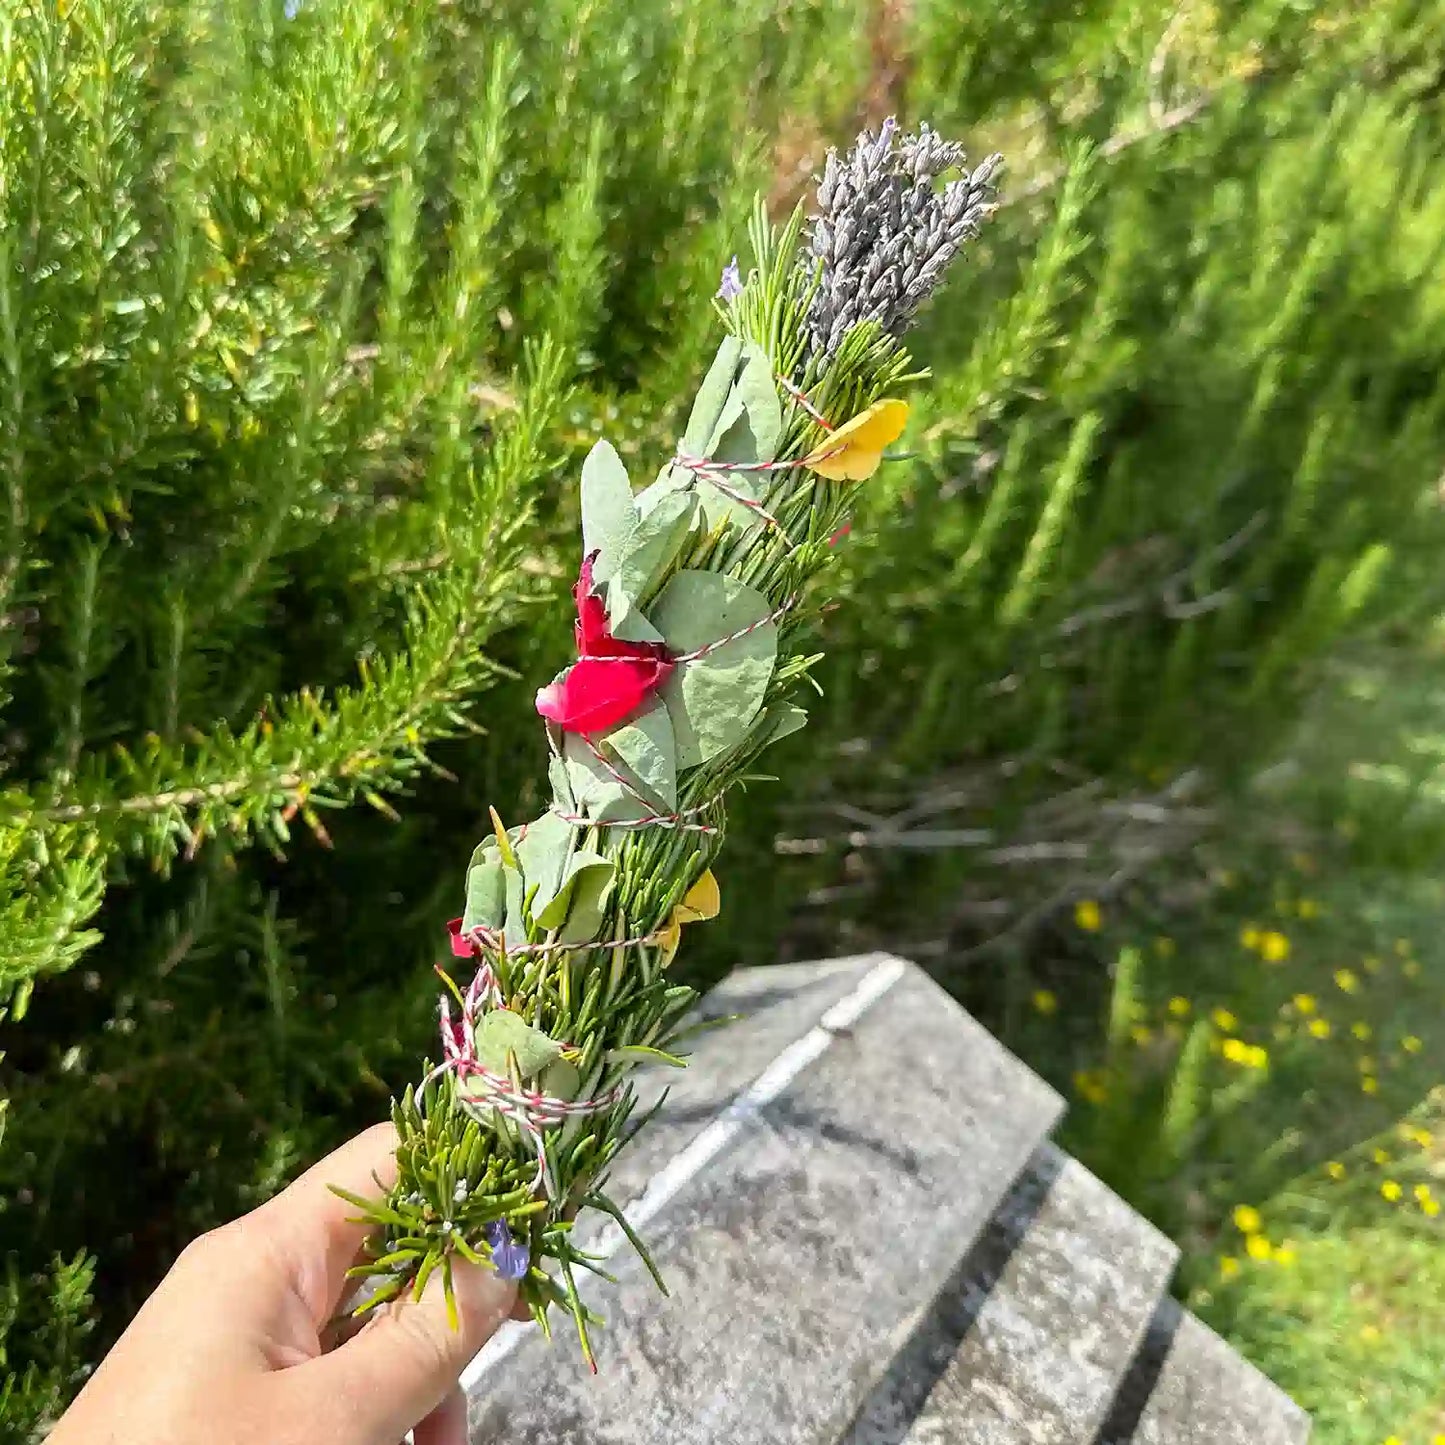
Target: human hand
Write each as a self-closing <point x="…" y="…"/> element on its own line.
<point x="229" y="1349"/>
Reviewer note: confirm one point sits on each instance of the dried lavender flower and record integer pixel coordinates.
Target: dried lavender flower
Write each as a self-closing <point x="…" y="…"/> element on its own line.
<point x="884" y="233"/>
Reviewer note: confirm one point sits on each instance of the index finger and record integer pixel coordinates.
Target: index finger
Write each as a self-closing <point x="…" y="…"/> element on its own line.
<point x="319" y="1233"/>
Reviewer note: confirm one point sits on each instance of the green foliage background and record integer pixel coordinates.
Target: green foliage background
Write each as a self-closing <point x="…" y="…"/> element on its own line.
<point x="304" y="326"/>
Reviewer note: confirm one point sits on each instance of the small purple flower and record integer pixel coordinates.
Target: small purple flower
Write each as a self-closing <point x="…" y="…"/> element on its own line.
<point x="732" y="282"/>
<point x="510" y="1257"/>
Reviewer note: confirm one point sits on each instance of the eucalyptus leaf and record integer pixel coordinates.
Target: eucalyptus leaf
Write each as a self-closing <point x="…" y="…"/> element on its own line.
<point x="712" y="701"/>
<point x="587" y="899"/>
<point x="562" y="794"/>
<point x="560" y="1079"/>
<point x="751" y="423"/>
<point x="672" y="477"/>
<point x="599" y="795"/>
<point x="553" y="866"/>
<point x="609" y="517"/>
<point x="543" y="850"/>
<point x="555" y="911"/>
<point x="501" y="1033"/>
<point x="712" y="396"/>
<point x="486" y="892"/>
<point x="645" y="744"/>
<point x="651" y="548"/>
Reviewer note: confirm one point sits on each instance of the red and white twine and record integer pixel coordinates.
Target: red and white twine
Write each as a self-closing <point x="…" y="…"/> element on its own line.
<point x="531" y="1110"/>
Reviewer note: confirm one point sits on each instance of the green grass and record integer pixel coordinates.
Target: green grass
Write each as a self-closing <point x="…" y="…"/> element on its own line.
<point x="1254" y="1049"/>
<point x="1353" y="1329"/>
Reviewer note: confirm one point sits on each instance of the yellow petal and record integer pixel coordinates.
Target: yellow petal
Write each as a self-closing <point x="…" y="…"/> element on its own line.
<point x="852" y="452"/>
<point x="701" y="902"/>
<point x="669" y="936"/>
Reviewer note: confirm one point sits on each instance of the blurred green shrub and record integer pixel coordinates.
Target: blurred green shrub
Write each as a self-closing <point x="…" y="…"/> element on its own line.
<point x="303" y="322"/>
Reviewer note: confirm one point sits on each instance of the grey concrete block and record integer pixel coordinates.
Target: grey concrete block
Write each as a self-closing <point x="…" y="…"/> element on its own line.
<point x="1027" y="1342"/>
<point x="1203" y="1393"/>
<point x="811" y="1182"/>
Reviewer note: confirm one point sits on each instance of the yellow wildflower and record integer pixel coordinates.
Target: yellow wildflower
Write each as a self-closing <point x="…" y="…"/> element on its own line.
<point x="1228" y="1266"/>
<point x="1089" y="1084"/>
<point x="1371" y="963"/>
<point x="1411" y="1044"/>
<point x="1431" y="1207"/>
<point x="1305" y="1003"/>
<point x="1369" y="1084"/>
<point x="1285" y="1255"/>
<point x="1088" y="915"/>
<point x="1370" y="1333"/>
<point x="1391" y="1190"/>
<point x="1411" y="968"/>
<point x="1258" y="1247"/>
<point x="1421" y="1192"/>
<point x="1335" y="1169"/>
<point x="1393" y="1440"/>
<point x="1381" y="1156"/>
<point x="1247" y="1219"/>
<point x="1224" y="1021"/>
<point x="1256" y="1057"/>
<point x="1179" y="1007"/>
<point x="1235" y="1050"/>
<point x="1366" y="1064"/>
<point x="1403" y="947"/>
<point x="1045" y="1001"/>
<point x="701" y="902"/>
<point x="1320" y="1028"/>
<point x="1249" y="936"/>
<point x="1141" y="1034"/>
<point x="853" y="451"/>
<point x="1347" y="980"/>
<point x="1164" y="947"/>
<point x="1361" y="1030"/>
<point x="1273" y="947"/>
<point x="1308" y="908"/>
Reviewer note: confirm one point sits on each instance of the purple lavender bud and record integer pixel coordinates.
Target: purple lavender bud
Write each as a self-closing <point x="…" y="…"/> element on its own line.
<point x="508" y="1255"/>
<point x="732" y="282"/>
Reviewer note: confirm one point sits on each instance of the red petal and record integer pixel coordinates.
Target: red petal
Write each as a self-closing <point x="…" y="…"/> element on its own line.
<point x="461" y="947"/>
<point x="591" y="629"/>
<point x="592" y="696"/>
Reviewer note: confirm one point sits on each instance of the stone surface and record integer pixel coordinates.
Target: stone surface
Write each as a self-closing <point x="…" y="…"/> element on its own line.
<point x="1027" y="1342"/>
<point x="817" y="1216"/>
<point x="870" y="1241"/>
<point x="1205" y="1394"/>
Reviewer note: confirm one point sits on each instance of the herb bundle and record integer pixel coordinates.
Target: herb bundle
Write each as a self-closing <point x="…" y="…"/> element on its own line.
<point x="694" y="598"/>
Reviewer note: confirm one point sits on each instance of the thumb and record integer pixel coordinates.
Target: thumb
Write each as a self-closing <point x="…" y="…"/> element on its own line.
<point x="401" y="1366"/>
